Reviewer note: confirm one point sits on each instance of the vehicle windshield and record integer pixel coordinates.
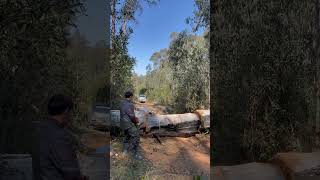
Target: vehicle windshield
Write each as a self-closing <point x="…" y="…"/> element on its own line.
<point x="142" y="96"/>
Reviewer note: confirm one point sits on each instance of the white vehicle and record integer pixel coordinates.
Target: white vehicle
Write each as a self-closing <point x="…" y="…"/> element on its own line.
<point x="142" y="98"/>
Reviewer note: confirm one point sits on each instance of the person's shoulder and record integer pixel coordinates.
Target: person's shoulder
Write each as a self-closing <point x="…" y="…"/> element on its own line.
<point x="62" y="136"/>
<point x="52" y="133"/>
<point x="46" y="126"/>
<point x="123" y="102"/>
<point x="54" y="129"/>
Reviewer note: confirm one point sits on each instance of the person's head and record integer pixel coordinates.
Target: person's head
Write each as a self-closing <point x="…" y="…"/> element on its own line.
<point x="128" y="95"/>
<point x="60" y="107"/>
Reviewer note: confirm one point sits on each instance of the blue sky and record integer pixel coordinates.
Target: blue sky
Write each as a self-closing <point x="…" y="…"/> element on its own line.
<point x="154" y="27"/>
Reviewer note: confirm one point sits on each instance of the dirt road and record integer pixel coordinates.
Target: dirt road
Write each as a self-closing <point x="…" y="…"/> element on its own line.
<point x="155" y="108"/>
<point x="174" y="155"/>
<point x="184" y="156"/>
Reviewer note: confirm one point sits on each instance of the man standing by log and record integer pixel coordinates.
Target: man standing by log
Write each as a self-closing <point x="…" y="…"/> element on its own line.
<point x="54" y="156"/>
<point x="128" y="123"/>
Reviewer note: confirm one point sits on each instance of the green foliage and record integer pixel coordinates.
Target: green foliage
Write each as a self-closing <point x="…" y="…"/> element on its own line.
<point x="201" y="17"/>
<point x="179" y="76"/>
<point x="32" y="63"/>
<point x="87" y="66"/>
<point x="121" y="63"/>
<point x="121" y="69"/>
<point x="189" y="60"/>
<point x="260" y="67"/>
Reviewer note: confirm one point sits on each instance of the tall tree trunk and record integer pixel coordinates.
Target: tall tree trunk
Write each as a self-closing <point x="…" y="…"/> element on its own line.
<point x="124" y="26"/>
<point x="114" y="16"/>
<point x="113" y="34"/>
<point x="317" y="63"/>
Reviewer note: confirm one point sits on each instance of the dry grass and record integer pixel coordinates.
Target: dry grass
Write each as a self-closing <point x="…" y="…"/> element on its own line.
<point x="124" y="167"/>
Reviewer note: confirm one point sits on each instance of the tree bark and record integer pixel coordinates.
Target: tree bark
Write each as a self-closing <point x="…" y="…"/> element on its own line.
<point x="113" y="15"/>
<point x="124" y="26"/>
<point x="317" y="63"/>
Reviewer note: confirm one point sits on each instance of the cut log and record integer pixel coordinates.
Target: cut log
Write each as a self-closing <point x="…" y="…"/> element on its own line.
<point x="182" y="123"/>
<point x="141" y="115"/>
<point x="115" y="117"/>
<point x="298" y="166"/>
<point x="164" y="125"/>
<point x="250" y="171"/>
<point x="204" y="118"/>
<point x="165" y="120"/>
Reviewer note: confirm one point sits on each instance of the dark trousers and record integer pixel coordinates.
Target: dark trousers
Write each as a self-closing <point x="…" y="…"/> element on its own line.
<point x="132" y="139"/>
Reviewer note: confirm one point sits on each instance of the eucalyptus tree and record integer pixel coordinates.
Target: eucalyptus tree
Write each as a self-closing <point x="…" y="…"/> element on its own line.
<point x="261" y="54"/>
<point x="33" y="43"/>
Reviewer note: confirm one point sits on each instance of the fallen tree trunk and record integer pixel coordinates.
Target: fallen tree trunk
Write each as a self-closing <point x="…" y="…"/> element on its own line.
<point x="115" y="117"/>
<point x="173" y="125"/>
<point x="298" y="166"/>
<point x="250" y="171"/>
<point x="181" y="123"/>
<point x="204" y="116"/>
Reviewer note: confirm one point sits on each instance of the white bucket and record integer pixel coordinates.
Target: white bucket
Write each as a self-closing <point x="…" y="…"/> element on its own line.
<point x="115" y="117"/>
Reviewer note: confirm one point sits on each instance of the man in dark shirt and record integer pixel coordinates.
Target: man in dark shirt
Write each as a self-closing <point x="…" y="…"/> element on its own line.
<point x="128" y="123"/>
<point x="54" y="156"/>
